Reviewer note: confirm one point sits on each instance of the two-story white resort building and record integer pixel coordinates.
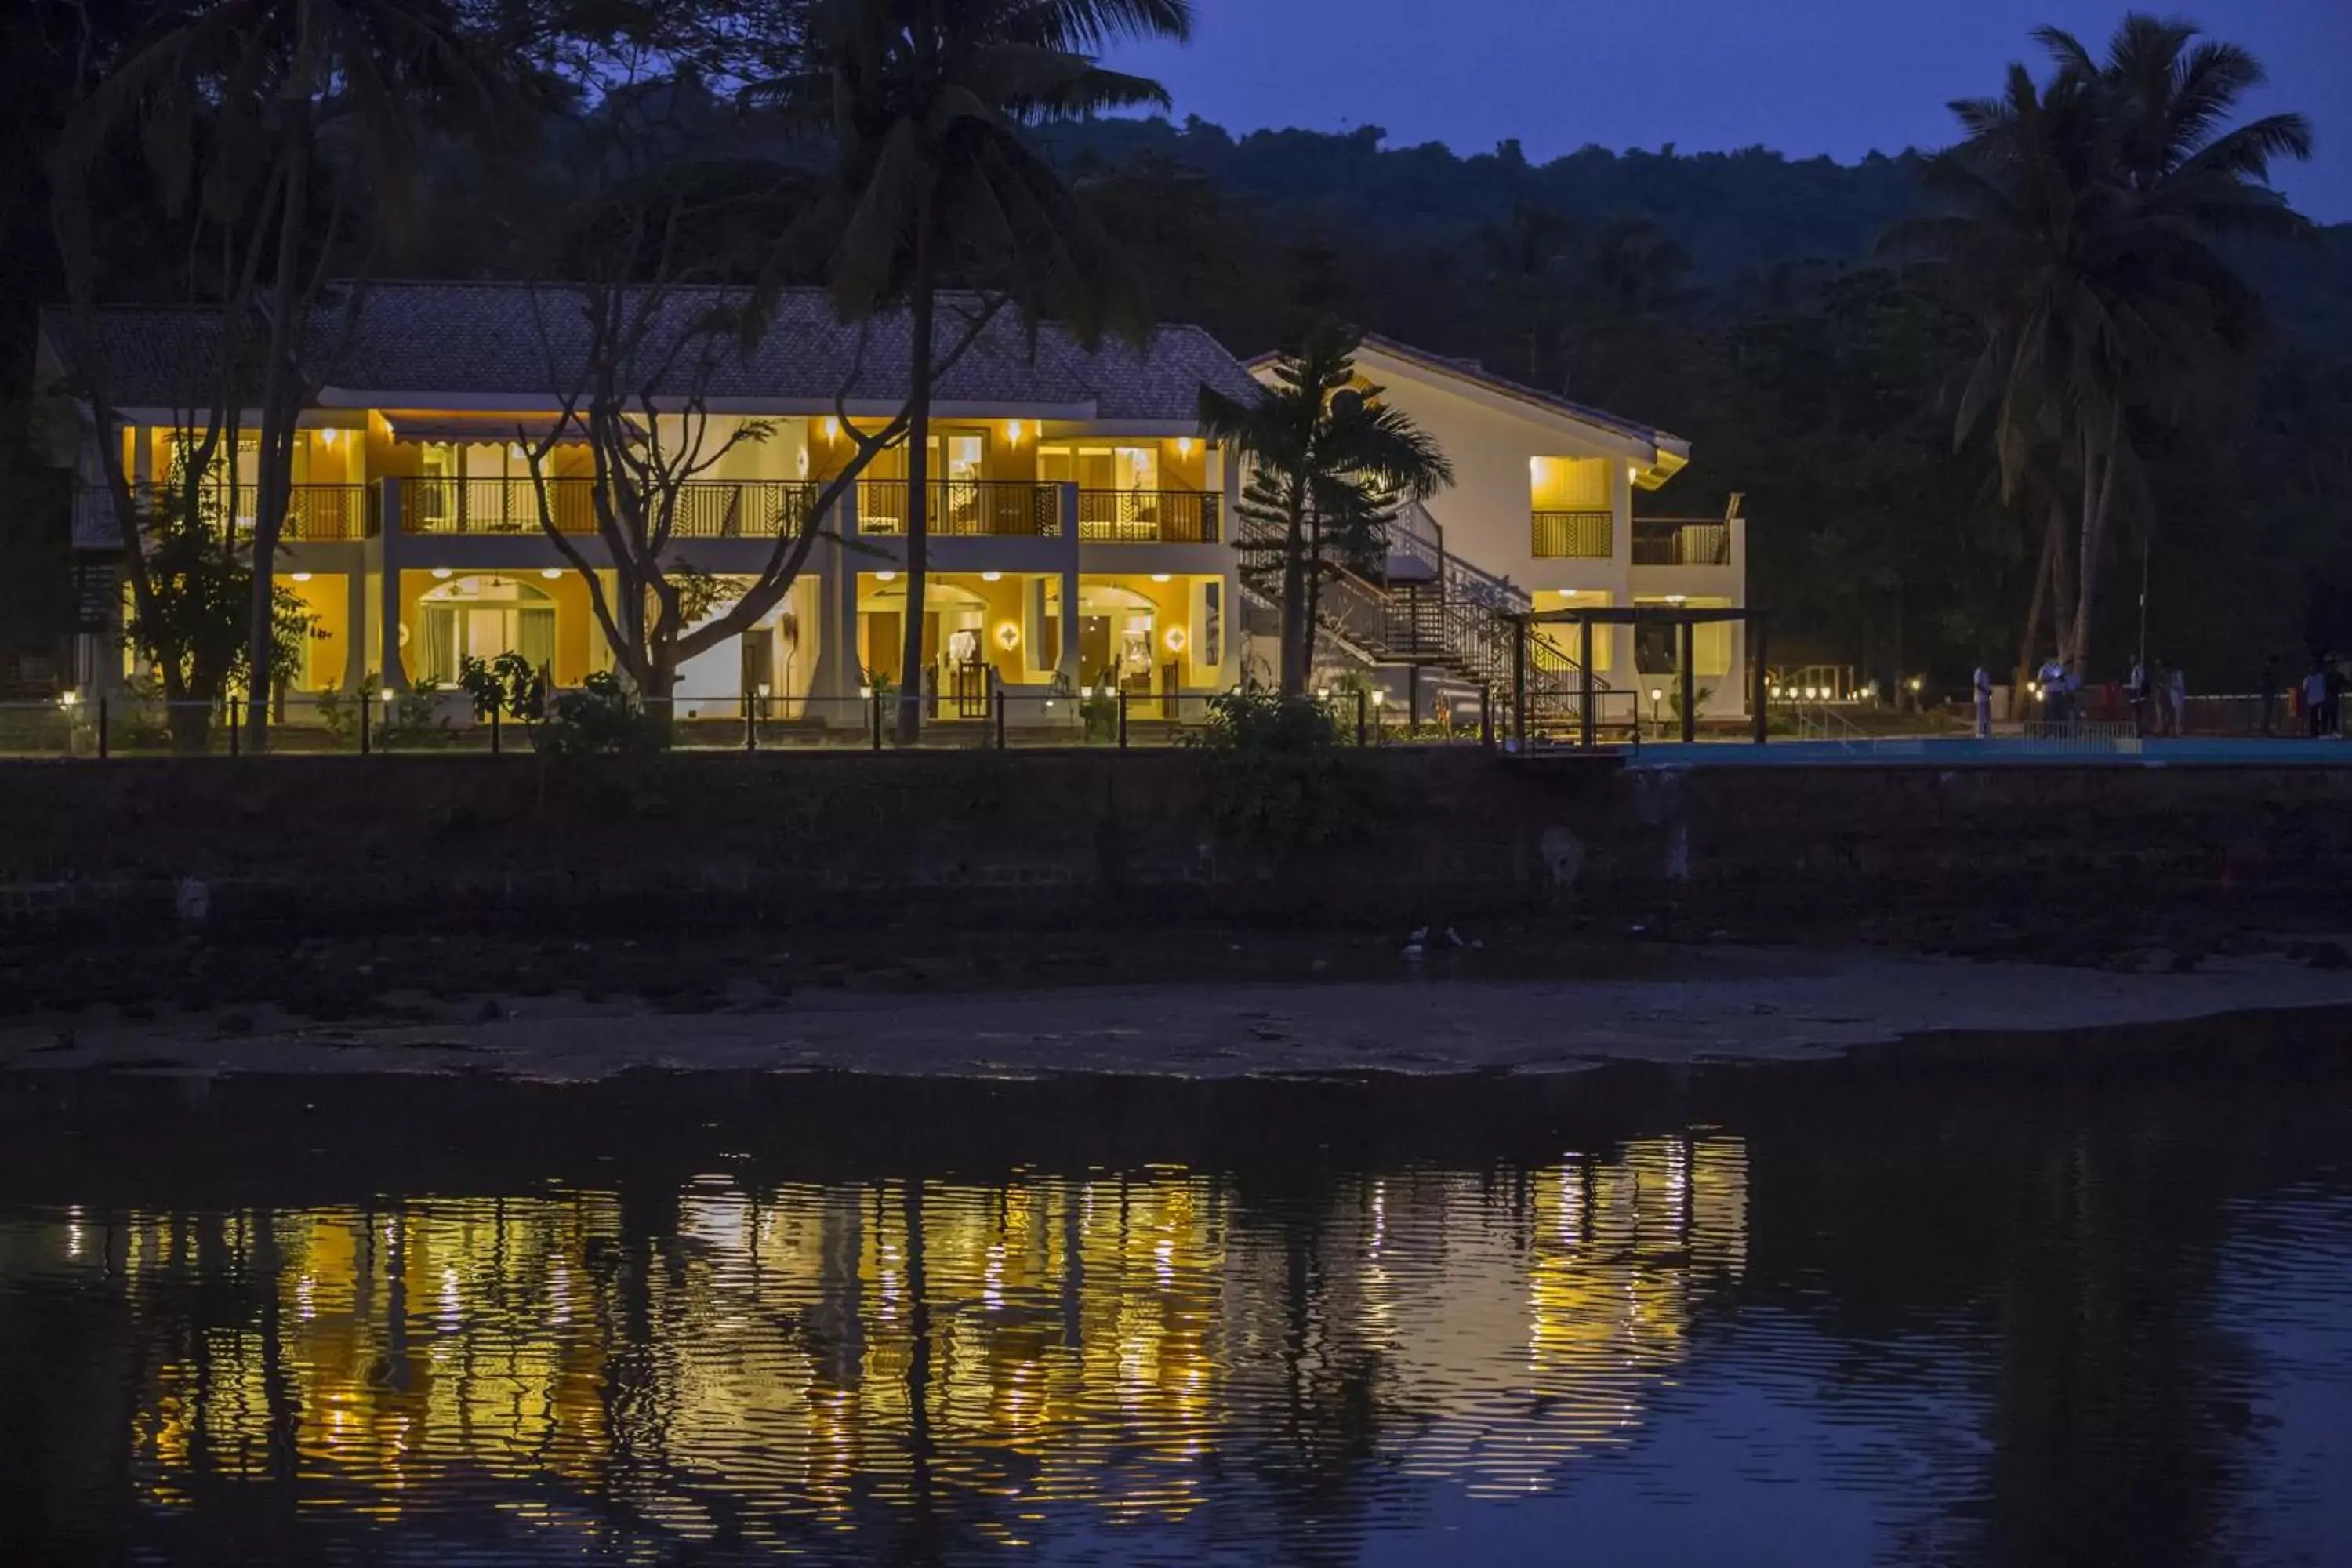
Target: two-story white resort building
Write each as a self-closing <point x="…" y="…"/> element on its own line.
<point x="1541" y="517"/>
<point x="1081" y="527"/>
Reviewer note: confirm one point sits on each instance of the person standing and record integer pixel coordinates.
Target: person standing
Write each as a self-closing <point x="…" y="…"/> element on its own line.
<point x="1983" y="688"/>
<point x="2333" y="674"/>
<point x="2159" y="696"/>
<point x="2178" y="692"/>
<point x="2136" y="693"/>
<point x="2053" y="680"/>
<point x="2314" y="700"/>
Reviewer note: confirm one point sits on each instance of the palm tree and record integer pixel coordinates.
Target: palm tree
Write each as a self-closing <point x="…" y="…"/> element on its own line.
<point x="938" y="187"/>
<point x="2083" y="215"/>
<point x="233" y="100"/>
<point x="1329" y="465"/>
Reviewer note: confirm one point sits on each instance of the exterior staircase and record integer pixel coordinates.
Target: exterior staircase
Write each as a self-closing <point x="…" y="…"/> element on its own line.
<point x="1427" y="608"/>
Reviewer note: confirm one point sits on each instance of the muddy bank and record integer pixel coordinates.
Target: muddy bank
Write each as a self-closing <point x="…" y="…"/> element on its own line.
<point x="1692" y="1005"/>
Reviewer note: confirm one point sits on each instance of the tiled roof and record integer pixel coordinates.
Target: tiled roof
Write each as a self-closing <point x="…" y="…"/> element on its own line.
<point x="1471" y="370"/>
<point x="512" y="339"/>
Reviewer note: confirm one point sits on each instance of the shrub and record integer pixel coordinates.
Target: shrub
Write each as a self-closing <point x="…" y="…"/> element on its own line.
<point x="1280" y="774"/>
<point x="599" y="720"/>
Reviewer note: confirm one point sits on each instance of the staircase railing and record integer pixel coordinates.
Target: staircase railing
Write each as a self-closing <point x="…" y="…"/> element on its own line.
<point x="1460" y="617"/>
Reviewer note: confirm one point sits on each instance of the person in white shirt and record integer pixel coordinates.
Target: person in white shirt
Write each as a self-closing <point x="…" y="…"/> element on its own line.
<point x="1984" y="703"/>
<point x="2178" y="692"/>
<point x="2314" y="700"/>
<point x="2135" y="691"/>
<point x="2054" y="690"/>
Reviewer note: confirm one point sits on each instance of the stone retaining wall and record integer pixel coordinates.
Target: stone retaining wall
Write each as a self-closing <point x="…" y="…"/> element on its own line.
<point x="333" y="843"/>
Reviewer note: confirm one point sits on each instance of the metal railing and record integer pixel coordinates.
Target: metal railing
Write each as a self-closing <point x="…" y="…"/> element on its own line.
<point x="314" y="513"/>
<point x="2086" y="737"/>
<point x="964" y="509"/>
<point x="704" y="508"/>
<point x="442" y="722"/>
<point x="1148" y="517"/>
<point x="1681" y="541"/>
<point x="495" y="506"/>
<point x="1574" y="535"/>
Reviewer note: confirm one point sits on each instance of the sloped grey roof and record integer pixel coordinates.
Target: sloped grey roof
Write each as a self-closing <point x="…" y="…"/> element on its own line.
<point x="1473" y="371"/>
<point x="514" y="339"/>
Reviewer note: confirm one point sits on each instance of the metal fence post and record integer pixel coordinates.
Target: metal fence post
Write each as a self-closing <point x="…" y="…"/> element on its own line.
<point x="101" y="729"/>
<point x="494" y="730"/>
<point x="874" y="717"/>
<point x="1000" y="718"/>
<point x="1486" y="714"/>
<point x="1762" y="690"/>
<point x="750" y="725"/>
<point x="1519" y="684"/>
<point x="1363" y="704"/>
<point x="367" y="700"/>
<point x="234" y="726"/>
<point x="1122" y="720"/>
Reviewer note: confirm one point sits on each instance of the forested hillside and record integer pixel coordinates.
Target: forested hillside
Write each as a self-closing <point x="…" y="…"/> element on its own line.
<point x="1737" y="299"/>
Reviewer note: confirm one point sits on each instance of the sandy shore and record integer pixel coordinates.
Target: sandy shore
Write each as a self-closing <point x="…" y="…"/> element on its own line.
<point x="1727" y="1003"/>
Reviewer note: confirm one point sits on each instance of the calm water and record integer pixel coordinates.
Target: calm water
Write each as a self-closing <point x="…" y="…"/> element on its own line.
<point x="1915" y="1310"/>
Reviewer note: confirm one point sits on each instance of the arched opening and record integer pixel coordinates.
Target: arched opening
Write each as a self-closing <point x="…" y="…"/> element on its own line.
<point x="481" y="617"/>
<point x="1116" y="645"/>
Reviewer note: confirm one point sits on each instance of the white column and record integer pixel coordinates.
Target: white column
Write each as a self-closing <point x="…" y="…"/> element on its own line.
<point x="1621" y="640"/>
<point x="355" y="623"/>
<point x="390" y="675"/>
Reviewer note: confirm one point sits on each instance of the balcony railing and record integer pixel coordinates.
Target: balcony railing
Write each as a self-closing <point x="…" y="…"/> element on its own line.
<point x="1576" y="535"/>
<point x="707" y="509"/>
<point x="1148" y="517"/>
<point x="965" y="508"/>
<point x="314" y="513"/>
<point x="1681" y="541"/>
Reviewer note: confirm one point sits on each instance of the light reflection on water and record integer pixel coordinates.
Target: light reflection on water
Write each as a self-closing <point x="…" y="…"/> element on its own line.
<point x="1666" y="1338"/>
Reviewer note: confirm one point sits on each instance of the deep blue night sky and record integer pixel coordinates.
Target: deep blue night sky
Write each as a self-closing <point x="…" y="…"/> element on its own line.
<point x="1807" y="77"/>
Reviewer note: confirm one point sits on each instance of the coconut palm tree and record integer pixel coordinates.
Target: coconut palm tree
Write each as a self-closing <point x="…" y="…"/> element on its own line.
<point x="2083" y="215"/>
<point x="233" y="102"/>
<point x="1329" y="466"/>
<point x="936" y="187"/>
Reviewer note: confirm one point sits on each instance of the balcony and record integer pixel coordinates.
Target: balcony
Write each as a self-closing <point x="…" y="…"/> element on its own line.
<point x="314" y="513"/>
<point x="1574" y="535"/>
<point x="707" y="509"/>
<point x="1681" y="541"/>
<point x="965" y="508"/>
<point x="1148" y="517"/>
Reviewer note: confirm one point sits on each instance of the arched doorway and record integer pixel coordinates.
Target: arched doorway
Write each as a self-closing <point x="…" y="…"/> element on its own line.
<point x="481" y="617"/>
<point x="1117" y="639"/>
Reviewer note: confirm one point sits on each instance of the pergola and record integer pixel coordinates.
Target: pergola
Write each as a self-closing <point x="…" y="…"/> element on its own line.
<point x="1679" y="616"/>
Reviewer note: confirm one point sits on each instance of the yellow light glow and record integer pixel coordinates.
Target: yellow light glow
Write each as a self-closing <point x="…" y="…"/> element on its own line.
<point x="831" y="428"/>
<point x="885" y="576"/>
<point x="1174" y="639"/>
<point x="1008" y="636"/>
<point x="301" y="576"/>
<point x="1183" y="445"/>
<point x="1012" y="432"/>
<point x="441" y="572"/>
<point x="550" y="573"/>
<point x="991" y="577"/>
<point x="1159" y="576"/>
